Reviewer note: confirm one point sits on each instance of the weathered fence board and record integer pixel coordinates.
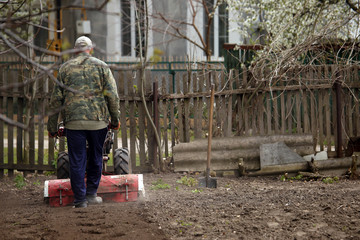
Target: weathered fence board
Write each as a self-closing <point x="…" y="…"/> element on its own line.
<point x="10" y="105"/>
<point x="142" y="127"/>
<point x="2" y="127"/>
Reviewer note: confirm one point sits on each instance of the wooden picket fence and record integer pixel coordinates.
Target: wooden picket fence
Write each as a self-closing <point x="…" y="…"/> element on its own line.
<point x="303" y="100"/>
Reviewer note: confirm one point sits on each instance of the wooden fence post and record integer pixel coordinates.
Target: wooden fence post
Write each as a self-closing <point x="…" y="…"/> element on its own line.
<point x="337" y="86"/>
<point x="156" y="122"/>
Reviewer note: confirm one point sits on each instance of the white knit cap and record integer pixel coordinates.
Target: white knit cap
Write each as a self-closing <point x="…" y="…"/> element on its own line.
<point x="82" y="42"/>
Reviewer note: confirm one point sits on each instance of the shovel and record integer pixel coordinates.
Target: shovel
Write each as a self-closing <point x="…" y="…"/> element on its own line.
<point x="207" y="181"/>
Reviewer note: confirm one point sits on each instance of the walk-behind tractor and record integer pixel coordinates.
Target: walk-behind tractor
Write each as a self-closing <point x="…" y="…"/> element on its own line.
<point x="115" y="186"/>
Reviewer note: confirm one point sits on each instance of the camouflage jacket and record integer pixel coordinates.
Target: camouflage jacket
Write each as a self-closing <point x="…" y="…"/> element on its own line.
<point x="89" y="92"/>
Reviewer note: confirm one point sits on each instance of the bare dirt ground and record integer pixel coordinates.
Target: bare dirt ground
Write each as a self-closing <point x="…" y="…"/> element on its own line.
<point x="240" y="208"/>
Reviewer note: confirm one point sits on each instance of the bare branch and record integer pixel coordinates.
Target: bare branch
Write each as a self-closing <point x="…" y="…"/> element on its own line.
<point x="12" y="122"/>
<point x="353" y="6"/>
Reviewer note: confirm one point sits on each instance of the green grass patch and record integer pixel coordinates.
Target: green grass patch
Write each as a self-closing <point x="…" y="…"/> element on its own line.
<point x="197" y="191"/>
<point x="330" y="180"/>
<point x="188" y="181"/>
<point x="37" y="183"/>
<point x="159" y="184"/>
<point x="19" y="181"/>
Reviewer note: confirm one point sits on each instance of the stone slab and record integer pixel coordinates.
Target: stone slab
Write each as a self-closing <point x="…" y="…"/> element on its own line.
<point x="278" y="154"/>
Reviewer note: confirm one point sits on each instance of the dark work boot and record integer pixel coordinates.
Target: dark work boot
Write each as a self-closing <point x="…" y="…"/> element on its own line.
<point x="81" y="204"/>
<point x="94" y="199"/>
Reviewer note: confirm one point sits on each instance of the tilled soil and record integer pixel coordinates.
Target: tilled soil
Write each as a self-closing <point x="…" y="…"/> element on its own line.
<point x="239" y="208"/>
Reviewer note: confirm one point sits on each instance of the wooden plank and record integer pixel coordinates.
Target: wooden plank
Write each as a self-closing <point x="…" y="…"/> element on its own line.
<point x="334" y="119"/>
<point x="165" y="117"/>
<point x="239" y="115"/>
<point x="348" y="104"/>
<point x="116" y="132"/>
<point x="10" y="105"/>
<point x="298" y="112"/>
<point x="305" y="98"/>
<point x="195" y="103"/>
<point x="197" y="107"/>
<point x="268" y="113"/>
<point x="276" y="114"/>
<point x="201" y="101"/>
<point x="19" y="131"/>
<point x="133" y="132"/>
<point x="328" y="124"/>
<point x="172" y="112"/>
<point x="245" y="112"/>
<point x="283" y="115"/>
<point x="349" y="114"/>
<point x="51" y="150"/>
<point x="228" y="130"/>
<point x="141" y="122"/>
<point x="343" y="98"/>
<point x="261" y="110"/>
<point x="180" y="111"/>
<point x="357" y="113"/>
<point x="253" y="117"/>
<point x="333" y="107"/>
<point x="123" y="124"/>
<point x="41" y="136"/>
<point x="248" y="91"/>
<point x="321" y="120"/>
<point x="187" y="82"/>
<point x="156" y="113"/>
<point x="316" y="96"/>
<point x="51" y="147"/>
<point x="327" y="111"/>
<point x="289" y="111"/>
<point x="2" y="128"/>
<point x="207" y="87"/>
<point x="218" y="122"/>
<point x="313" y="117"/>
<point x="26" y="167"/>
<point x="149" y="128"/>
<point x="244" y="101"/>
<point x="32" y="136"/>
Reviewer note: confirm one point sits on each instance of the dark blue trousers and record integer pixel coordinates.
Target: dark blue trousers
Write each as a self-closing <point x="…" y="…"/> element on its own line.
<point x="84" y="159"/>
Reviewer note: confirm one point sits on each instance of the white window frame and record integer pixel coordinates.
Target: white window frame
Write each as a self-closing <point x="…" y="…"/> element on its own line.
<point x="195" y="52"/>
<point x="114" y="36"/>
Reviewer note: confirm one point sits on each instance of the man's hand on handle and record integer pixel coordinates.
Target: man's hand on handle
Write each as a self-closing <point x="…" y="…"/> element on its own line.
<point x="52" y="134"/>
<point x="114" y="127"/>
<point x="59" y="133"/>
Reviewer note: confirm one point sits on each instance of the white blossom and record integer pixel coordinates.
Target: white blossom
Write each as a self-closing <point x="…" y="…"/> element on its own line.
<point x="289" y="22"/>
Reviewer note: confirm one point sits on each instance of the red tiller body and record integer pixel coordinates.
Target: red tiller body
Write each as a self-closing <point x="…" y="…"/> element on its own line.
<point x="112" y="188"/>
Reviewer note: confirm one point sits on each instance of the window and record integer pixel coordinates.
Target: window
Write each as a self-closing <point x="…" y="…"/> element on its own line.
<point x="130" y="45"/>
<point x="125" y="28"/>
<point x="209" y="25"/>
<point x="219" y="28"/>
<point x="223" y="28"/>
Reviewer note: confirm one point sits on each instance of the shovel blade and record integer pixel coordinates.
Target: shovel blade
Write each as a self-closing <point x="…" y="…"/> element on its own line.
<point x="208" y="182"/>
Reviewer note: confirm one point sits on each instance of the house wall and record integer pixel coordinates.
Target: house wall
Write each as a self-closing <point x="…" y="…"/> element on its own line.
<point x="172" y="9"/>
<point x="98" y="26"/>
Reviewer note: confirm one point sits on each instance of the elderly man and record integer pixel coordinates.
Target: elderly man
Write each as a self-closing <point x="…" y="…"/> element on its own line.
<point x="87" y="102"/>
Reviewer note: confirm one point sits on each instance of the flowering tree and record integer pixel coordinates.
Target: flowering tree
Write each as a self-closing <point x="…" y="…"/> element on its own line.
<point x="290" y="22"/>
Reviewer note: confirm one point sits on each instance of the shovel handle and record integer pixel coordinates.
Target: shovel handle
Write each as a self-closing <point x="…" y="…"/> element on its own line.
<point x="210" y="127"/>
